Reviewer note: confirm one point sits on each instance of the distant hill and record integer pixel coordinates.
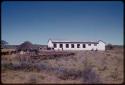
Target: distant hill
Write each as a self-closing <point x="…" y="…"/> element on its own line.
<point x="10" y="46"/>
<point x="117" y="46"/>
<point x="35" y="46"/>
<point x="110" y="47"/>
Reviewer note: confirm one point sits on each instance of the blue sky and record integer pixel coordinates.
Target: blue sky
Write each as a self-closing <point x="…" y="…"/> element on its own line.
<point x="84" y="21"/>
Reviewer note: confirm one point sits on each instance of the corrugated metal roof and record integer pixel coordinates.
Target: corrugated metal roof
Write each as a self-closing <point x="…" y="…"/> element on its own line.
<point x="67" y="41"/>
<point x="61" y="41"/>
<point x="76" y="42"/>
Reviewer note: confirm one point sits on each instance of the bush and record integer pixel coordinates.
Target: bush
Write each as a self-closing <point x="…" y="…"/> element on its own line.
<point x="32" y="79"/>
<point x="108" y="54"/>
<point x="90" y="76"/>
<point x="16" y="66"/>
<point x="109" y="47"/>
<point x="6" y="66"/>
<point x="71" y="74"/>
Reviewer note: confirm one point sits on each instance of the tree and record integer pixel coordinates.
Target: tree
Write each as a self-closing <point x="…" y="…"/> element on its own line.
<point x="25" y="46"/>
<point x="3" y="42"/>
<point x="109" y="47"/>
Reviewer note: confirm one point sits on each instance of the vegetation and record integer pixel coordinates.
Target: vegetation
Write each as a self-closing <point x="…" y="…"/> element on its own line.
<point x="89" y="67"/>
<point x="3" y="42"/>
<point x="25" y="46"/>
<point x="109" y="47"/>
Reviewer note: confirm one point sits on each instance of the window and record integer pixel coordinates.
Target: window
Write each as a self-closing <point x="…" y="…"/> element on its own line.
<point x="72" y="45"/>
<point x="55" y="45"/>
<point x="84" y="46"/>
<point x="67" y="45"/>
<point x="61" y="45"/>
<point x="89" y="44"/>
<point x="95" y="44"/>
<point x="78" y="45"/>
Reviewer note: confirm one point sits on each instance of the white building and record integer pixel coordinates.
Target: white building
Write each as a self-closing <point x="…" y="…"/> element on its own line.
<point x="70" y="45"/>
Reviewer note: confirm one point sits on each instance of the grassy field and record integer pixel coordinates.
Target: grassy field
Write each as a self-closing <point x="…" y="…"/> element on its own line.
<point x="84" y="67"/>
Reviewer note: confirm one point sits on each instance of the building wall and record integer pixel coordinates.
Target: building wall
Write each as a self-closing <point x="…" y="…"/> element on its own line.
<point x="50" y="44"/>
<point x="100" y="46"/>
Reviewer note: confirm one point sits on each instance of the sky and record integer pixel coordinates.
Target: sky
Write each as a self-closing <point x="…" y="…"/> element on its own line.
<point x="38" y="21"/>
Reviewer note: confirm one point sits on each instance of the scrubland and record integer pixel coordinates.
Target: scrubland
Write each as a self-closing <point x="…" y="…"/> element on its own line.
<point x="105" y="67"/>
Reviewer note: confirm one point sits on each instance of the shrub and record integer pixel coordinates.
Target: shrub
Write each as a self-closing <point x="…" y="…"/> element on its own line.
<point x="71" y="74"/>
<point x="16" y="66"/>
<point x="115" y="74"/>
<point x="109" y="47"/>
<point x="90" y="76"/>
<point x="6" y="66"/>
<point x="41" y="77"/>
<point x="108" y="54"/>
<point x="33" y="79"/>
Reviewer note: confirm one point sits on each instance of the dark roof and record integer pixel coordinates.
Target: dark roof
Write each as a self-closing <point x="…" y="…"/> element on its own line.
<point x="102" y="41"/>
<point x="88" y="42"/>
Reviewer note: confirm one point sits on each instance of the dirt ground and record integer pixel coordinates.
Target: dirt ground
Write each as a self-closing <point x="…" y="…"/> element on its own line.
<point x="84" y="67"/>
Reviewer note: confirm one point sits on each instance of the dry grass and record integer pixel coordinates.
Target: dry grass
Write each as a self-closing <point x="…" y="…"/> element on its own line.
<point x="5" y="50"/>
<point x="84" y="67"/>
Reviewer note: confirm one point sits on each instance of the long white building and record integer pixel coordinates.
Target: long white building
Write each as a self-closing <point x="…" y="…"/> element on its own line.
<point x="71" y="45"/>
